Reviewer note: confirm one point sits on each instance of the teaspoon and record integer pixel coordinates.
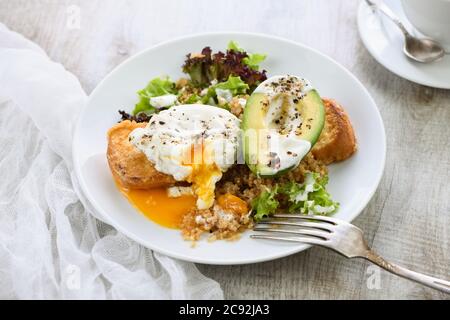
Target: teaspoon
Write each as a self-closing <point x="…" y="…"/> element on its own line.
<point x="423" y="50"/>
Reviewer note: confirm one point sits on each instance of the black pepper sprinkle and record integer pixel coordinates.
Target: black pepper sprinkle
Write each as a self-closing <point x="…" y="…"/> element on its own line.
<point x="275" y="163"/>
<point x="162" y="123"/>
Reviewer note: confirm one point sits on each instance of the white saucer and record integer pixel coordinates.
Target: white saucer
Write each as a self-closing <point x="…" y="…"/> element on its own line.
<point x="385" y="43"/>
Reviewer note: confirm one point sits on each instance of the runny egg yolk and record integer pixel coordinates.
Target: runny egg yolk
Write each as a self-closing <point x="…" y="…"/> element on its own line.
<point x="156" y="205"/>
<point x="205" y="173"/>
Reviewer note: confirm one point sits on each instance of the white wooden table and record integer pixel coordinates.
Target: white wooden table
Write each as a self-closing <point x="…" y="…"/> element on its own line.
<point x="408" y="220"/>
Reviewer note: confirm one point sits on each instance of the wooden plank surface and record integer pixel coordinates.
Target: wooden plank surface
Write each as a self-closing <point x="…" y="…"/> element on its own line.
<point x="408" y="220"/>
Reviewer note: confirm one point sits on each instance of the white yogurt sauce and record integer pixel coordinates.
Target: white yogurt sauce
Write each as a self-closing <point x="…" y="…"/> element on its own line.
<point x="163" y="101"/>
<point x="284" y="147"/>
<point x="224" y="94"/>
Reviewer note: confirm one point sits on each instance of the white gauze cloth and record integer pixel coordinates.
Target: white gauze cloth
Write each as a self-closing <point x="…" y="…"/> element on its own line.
<point x="51" y="245"/>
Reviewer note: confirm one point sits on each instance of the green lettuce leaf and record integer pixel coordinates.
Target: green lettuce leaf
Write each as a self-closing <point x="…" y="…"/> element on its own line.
<point x="265" y="204"/>
<point x="234" y="84"/>
<point x="310" y="197"/>
<point x="253" y="60"/>
<point x="155" y="88"/>
<point x="143" y="106"/>
<point x="232" y="45"/>
<point x="194" y="98"/>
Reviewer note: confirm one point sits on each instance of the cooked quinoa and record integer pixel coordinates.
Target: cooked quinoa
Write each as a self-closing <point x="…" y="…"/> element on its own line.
<point x="220" y="224"/>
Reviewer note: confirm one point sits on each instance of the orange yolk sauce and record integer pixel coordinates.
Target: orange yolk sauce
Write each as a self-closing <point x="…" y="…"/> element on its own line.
<point x="156" y="205"/>
<point x="168" y="212"/>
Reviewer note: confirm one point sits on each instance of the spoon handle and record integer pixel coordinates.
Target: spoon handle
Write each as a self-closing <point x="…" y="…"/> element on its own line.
<point x="390" y="14"/>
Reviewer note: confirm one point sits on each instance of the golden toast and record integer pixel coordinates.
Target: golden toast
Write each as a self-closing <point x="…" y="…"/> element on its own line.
<point x="129" y="165"/>
<point x="337" y="141"/>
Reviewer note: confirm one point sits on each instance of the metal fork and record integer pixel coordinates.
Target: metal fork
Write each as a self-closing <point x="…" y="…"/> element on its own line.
<point x="339" y="236"/>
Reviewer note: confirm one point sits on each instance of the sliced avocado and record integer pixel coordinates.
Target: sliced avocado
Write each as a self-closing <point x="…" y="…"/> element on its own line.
<point x="257" y="120"/>
<point x="312" y="111"/>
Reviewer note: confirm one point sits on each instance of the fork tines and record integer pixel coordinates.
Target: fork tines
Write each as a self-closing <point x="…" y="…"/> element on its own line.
<point x="295" y="228"/>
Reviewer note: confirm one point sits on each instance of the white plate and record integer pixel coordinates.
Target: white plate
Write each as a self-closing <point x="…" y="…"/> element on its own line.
<point x="352" y="182"/>
<point x="384" y="41"/>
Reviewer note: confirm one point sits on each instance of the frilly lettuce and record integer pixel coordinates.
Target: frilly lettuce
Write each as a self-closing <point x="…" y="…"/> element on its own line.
<point x="265" y="204"/>
<point x="207" y="66"/>
<point x="234" y="85"/>
<point x="252" y="60"/>
<point x="155" y="88"/>
<point x="310" y="197"/>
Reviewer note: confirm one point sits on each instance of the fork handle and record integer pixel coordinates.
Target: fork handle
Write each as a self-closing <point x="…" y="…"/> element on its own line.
<point x="429" y="281"/>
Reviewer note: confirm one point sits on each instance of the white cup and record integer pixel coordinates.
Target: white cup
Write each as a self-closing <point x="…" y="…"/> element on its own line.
<point x="430" y="17"/>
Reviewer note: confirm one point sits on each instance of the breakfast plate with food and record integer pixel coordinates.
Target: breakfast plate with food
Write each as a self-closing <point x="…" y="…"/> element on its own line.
<point x="186" y="145"/>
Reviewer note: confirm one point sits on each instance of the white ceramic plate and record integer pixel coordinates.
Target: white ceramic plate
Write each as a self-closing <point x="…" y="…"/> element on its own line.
<point x="385" y="43"/>
<point x="352" y="182"/>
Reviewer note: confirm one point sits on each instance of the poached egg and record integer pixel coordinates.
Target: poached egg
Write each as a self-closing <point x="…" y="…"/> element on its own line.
<point x="193" y="143"/>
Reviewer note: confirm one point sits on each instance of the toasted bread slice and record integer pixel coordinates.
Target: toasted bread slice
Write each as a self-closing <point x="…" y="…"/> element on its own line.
<point x="129" y="165"/>
<point x="337" y="141"/>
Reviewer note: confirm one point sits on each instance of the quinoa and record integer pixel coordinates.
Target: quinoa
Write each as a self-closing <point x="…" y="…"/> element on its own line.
<point x="186" y="90"/>
<point x="236" y="107"/>
<point x="217" y="222"/>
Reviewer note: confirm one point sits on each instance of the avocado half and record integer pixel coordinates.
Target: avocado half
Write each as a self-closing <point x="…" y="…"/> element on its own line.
<point x="312" y="112"/>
